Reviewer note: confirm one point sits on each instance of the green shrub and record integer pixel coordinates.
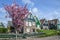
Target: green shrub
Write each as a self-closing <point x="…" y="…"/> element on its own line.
<point x="3" y="30"/>
<point x="58" y="32"/>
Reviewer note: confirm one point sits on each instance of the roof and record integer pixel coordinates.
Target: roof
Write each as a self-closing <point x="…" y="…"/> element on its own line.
<point x="54" y="21"/>
<point x="27" y="18"/>
<point x="42" y="21"/>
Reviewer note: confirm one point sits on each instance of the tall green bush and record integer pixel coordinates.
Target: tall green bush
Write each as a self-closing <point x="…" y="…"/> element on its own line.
<point x="3" y="30"/>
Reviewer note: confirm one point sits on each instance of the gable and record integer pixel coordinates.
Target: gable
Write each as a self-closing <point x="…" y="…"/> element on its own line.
<point x="30" y="17"/>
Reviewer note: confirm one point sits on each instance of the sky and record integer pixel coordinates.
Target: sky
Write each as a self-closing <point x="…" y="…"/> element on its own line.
<point x="48" y="9"/>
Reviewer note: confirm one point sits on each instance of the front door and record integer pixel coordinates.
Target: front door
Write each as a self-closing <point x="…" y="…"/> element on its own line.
<point x="28" y="29"/>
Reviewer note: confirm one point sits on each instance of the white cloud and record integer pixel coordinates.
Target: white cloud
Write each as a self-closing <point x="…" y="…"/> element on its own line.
<point x="2" y="16"/>
<point x="2" y="10"/>
<point x="55" y="14"/>
<point x="2" y="13"/>
<point x="52" y="14"/>
<point x="35" y="11"/>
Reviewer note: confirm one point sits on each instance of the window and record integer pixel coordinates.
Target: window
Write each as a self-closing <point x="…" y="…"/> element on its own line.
<point x="28" y="29"/>
<point x="30" y="24"/>
<point x="26" y="23"/>
<point x="31" y="17"/>
<point x="33" y="23"/>
<point x="28" y="16"/>
<point x="33" y="30"/>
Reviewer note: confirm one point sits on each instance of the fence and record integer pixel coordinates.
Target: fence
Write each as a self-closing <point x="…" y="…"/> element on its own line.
<point x="19" y="36"/>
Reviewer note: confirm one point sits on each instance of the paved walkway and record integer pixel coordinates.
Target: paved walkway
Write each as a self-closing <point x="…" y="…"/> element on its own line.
<point x="45" y="38"/>
<point x="49" y="38"/>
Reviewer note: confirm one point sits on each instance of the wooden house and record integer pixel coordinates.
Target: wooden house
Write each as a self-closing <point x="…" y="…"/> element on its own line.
<point x="44" y="24"/>
<point x="29" y="25"/>
<point x="53" y="23"/>
<point x="58" y="25"/>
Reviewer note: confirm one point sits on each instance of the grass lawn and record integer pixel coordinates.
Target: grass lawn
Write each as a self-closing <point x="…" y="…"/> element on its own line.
<point x="49" y="33"/>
